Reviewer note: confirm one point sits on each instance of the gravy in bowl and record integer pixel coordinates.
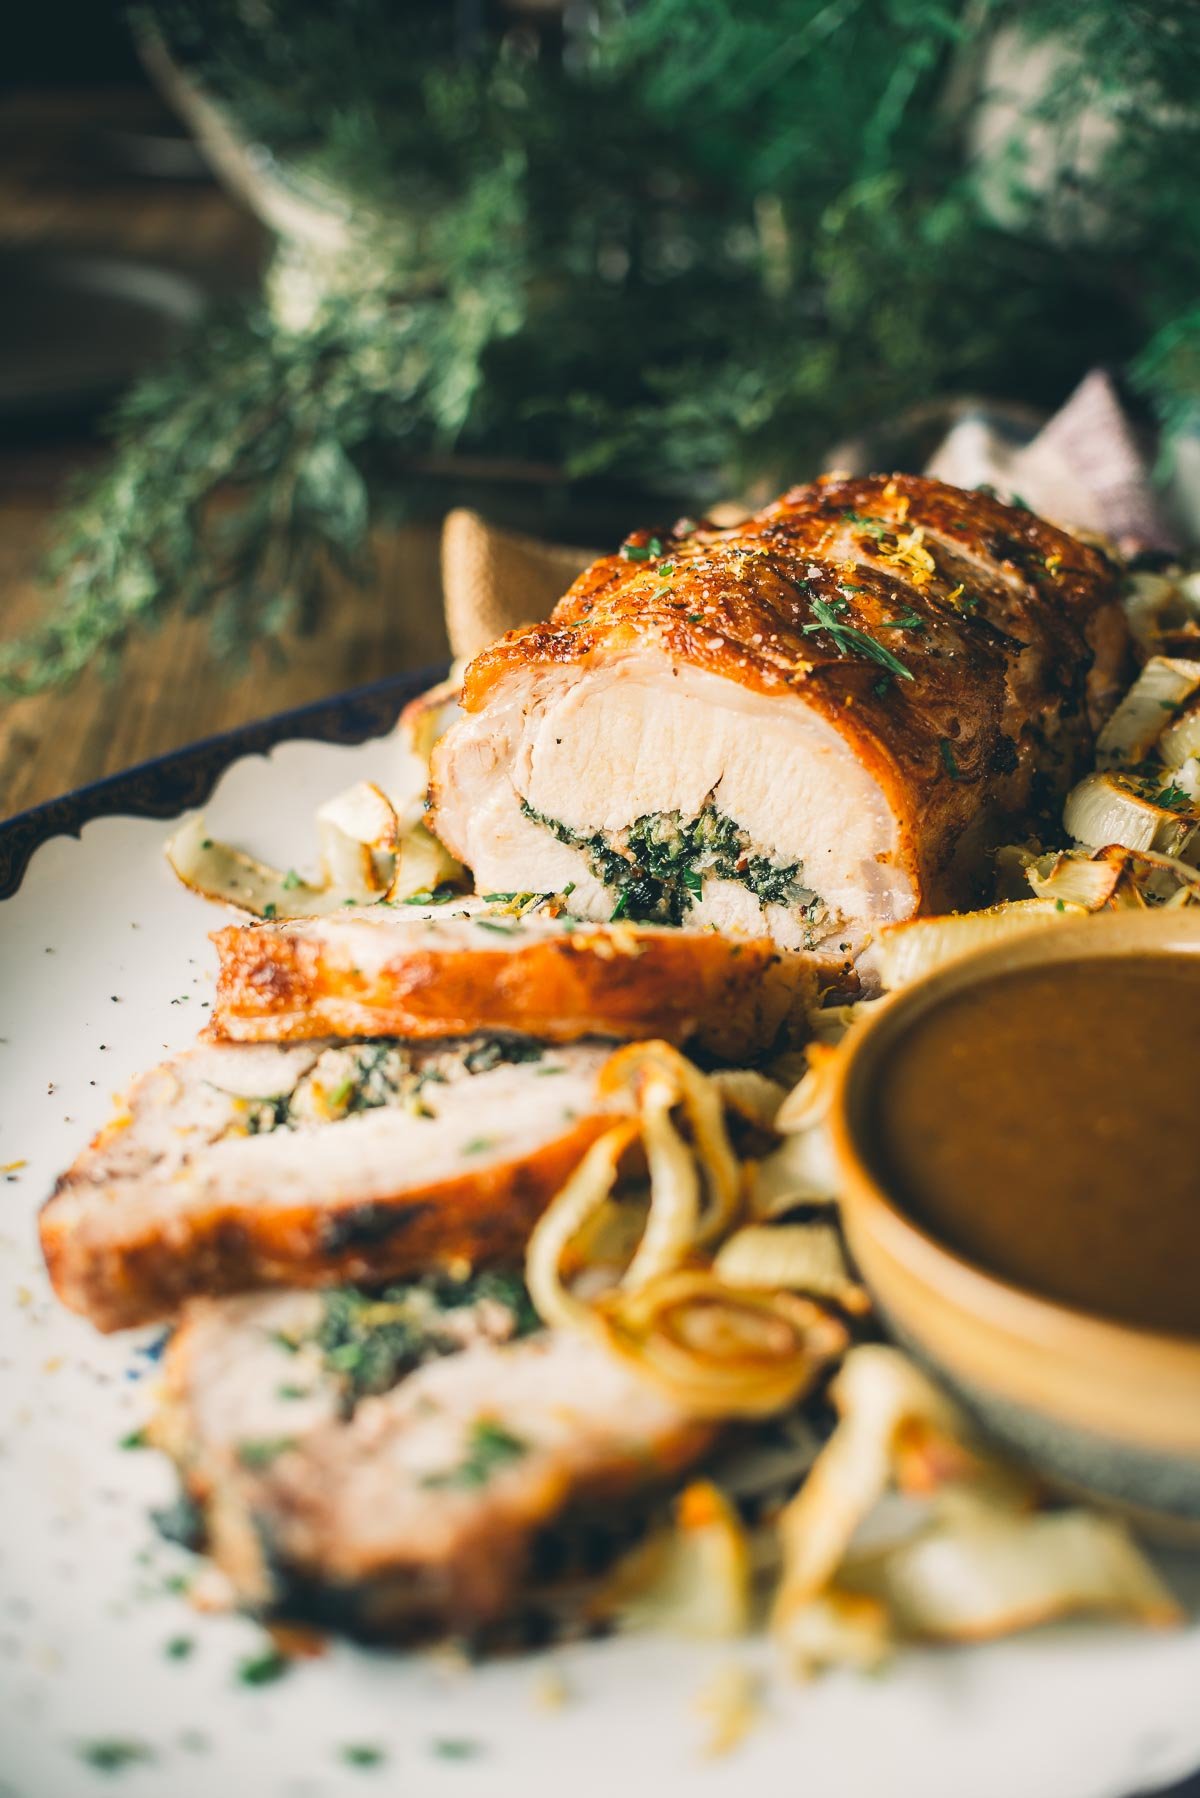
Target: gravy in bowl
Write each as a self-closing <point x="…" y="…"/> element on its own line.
<point x="1043" y="1123"/>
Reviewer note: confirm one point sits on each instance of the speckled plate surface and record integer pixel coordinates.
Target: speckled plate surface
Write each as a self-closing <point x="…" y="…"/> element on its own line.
<point x="104" y="966"/>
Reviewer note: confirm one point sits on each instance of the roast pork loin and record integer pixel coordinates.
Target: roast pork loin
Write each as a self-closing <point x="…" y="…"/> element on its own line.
<point x="807" y="726"/>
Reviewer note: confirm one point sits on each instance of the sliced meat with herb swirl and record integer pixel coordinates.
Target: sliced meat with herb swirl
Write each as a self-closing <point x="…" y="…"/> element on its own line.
<point x="806" y="726"/>
<point x="242" y="1166"/>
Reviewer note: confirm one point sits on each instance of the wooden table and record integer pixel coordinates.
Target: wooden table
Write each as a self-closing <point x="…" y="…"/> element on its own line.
<point x="168" y="689"/>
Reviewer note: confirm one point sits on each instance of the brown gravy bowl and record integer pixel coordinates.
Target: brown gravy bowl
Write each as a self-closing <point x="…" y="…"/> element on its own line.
<point x="1021" y="1194"/>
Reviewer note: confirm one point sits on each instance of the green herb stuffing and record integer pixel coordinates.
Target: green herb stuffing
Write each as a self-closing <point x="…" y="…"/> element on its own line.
<point x="370" y="1340"/>
<point x="489" y="1447"/>
<point x="272" y="1113"/>
<point x="259" y="1452"/>
<point x="657" y="865"/>
<point x="493" y="1051"/>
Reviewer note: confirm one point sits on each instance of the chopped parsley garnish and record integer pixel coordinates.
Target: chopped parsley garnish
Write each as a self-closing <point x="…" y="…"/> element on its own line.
<point x="439" y="895"/>
<point x="179" y="1648"/>
<point x="259" y="1452"/>
<point x="362" y="1754"/>
<point x="478" y="1145"/>
<point x="498" y="929"/>
<point x="620" y="908"/>
<point x="907" y="621"/>
<point x="500" y="898"/>
<point x="269" y="909"/>
<point x="1059" y="905"/>
<point x="947" y="749"/>
<point x="456" y="1748"/>
<point x="642" y="552"/>
<point x="290" y="1392"/>
<point x="111" y="1753"/>
<point x="695" y="617"/>
<point x="262" y="1669"/>
<point x="882" y="686"/>
<point x="489" y="1446"/>
<point x="135" y="1439"/>
<point x="848" y="639"/>
<point x="876" y="527"/>
<point x="291" y="880"/>
<point x="1173" y="798"/>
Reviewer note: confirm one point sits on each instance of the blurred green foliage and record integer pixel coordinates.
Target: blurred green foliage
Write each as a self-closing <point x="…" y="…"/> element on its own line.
<point x="689" y="243"/>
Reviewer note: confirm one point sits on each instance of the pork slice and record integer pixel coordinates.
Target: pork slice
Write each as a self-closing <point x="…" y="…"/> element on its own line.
<point x="236" y="1167"/>
<point x="422" y="1510"/>
<point x="469" y="967"/>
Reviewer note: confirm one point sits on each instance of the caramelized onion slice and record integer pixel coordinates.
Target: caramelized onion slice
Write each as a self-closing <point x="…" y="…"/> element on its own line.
<point x="1180" y="741"/>
<point x="989" y="1572"/>
<point x="796" y="1257"/>
<point x="231" y="877"/>
<point x="365" y="857"/>
<point x="906" y="952"/>
<point x="720" y="1352"/>
<point x="802" y="1171"/>
<point x="1108" y="808"/>
<point x="877" y="1391"/>
<point x="749" y="1094"/>
<point x="1133" y="730"/>
<point x="586" y="1191"/>
<point x="834" y="1629"/>
<point x="691" y="1579"/>
<point x="1115" y="878"/>
<point x="656" y="1067"/>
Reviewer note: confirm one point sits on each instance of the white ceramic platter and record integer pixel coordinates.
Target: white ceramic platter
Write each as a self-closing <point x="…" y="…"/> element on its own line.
<point x="104" y="967"/>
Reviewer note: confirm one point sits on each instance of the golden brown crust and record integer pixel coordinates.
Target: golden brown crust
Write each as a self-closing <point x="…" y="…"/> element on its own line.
<point x="282" y="984"/>
<point x="1006" y="610"/>
<point x="140" y="1272"/>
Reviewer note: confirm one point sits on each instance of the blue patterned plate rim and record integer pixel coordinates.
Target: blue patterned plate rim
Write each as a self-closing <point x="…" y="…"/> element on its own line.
<point x="183" y="778"/>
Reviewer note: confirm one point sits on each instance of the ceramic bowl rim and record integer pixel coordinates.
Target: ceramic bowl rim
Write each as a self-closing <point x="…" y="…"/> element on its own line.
<point x="997" y="1303"/>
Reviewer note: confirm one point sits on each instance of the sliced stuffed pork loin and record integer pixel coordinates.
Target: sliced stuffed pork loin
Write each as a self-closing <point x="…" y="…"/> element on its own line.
<point x="467" y="967"/>
<point x="392" y="1462"/>
<point x="253" y="1165"/>
<point x="806" y="726"/>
